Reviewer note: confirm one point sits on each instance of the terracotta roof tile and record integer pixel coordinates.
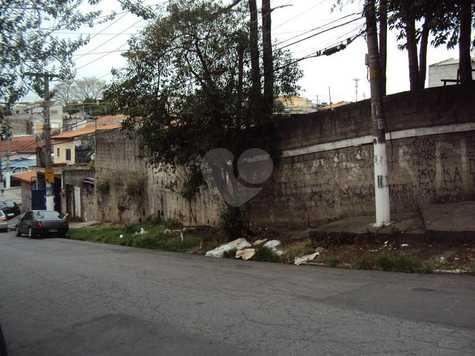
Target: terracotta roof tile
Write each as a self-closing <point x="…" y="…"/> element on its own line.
<point x="28" y="176"/>
<point x="20" y="144"/>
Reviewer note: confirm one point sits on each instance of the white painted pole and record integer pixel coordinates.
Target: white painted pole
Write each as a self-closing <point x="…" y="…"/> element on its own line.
<point x="381" y="187"/>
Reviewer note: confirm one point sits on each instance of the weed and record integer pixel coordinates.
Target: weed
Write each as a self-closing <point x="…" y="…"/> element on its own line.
<point x="399" y="263"/>
<point x="332" y="261"/>
<point x="298" y="249"/>
<point x="265" y="254"/>
<point x="364" y="262"/>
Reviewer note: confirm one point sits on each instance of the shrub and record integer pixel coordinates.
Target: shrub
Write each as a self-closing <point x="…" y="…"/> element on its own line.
<point x="265" y="254"/>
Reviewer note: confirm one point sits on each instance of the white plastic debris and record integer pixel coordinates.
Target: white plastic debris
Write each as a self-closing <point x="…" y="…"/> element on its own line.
<point x="404" y="245"/>
<point x="305" y="259"/>
<point x="121" y="236"/>
<point x="273" y="246"/>
<point x="246" y="254"/>
<point x="238" y="244"/>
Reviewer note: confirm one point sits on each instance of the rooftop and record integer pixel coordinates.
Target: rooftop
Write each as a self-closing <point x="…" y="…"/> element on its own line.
<point x="19" y="144"/>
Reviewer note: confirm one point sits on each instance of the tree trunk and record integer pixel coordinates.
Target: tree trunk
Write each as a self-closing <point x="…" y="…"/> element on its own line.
<point x="255" y="70"/>
<point x="267" y="58"/>
<point x="410" y="24"/>
<point x="423" y="53"/>
<point x="378" y="118"/>
<point x="240" y="50"/>
<point x="465" y="60"/>
<point x="383" y="41"/>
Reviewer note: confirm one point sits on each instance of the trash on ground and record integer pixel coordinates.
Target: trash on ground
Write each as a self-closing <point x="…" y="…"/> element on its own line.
<point x="304" y="259"/>
<point x="259" y="242"/>
<point x="238" y="244"/>
<point x="246" y="254"/>
<point x="404" y="245"/>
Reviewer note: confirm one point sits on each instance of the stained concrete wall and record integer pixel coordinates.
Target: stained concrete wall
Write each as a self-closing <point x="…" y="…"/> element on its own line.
<point x="325" y="169"/>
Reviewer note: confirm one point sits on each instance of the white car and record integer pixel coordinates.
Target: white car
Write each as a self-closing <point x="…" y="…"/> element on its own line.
<point x="3" y="222"/>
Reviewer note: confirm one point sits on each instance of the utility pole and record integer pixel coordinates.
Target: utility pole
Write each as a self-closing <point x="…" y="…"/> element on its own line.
<point x="330" y="97"/>
<point x="356" y="88"/>
<point x="46" y="77"/>
<point x="383" y="215"/>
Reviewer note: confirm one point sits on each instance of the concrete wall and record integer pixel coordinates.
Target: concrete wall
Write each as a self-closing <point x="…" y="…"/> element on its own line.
<point x="325" y="170"/>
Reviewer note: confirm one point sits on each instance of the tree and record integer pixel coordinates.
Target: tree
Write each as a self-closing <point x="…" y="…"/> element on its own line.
<point x="465" y="59"/>
<point x="267" y="57"/>
<point x="29" y="41"/>
<point x="188" y="84"/>
<point x="256" y="93"/>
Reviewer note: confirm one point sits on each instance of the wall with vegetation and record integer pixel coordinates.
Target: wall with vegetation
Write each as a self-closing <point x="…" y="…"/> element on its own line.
<point x="325" y="168"/>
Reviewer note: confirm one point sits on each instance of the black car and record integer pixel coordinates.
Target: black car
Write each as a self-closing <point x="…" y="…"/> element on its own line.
<point x="10" y="208"/>
<point x="39" y="223"/>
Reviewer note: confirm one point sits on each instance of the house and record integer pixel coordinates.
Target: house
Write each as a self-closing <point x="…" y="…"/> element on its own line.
<point x="17" y="154"/>
<point x="445" y="72"/>
<point x="77" y="146"/>
<point x="294" y="105"/>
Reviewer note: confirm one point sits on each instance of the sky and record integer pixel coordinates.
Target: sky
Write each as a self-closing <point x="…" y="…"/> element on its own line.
<point x="323" y="75"/>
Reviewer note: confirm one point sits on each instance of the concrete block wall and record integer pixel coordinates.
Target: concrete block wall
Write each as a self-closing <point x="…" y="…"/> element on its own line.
<point x="325" y="168"/>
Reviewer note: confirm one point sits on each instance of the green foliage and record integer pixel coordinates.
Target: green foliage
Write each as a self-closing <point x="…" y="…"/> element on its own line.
<point x="29" y="40"/>
<point x="400" y="263"/>
<point x="365" y="262"/>
<point x="234" y="222"/>
<point x="153" y="238"/>
<point x="265" y="254"/>
<point x="182" y="87"/>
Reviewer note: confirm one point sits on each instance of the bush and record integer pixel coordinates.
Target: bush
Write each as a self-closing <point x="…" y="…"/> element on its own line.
<point x="265" y="254"/>
<point x="364" y="262"/>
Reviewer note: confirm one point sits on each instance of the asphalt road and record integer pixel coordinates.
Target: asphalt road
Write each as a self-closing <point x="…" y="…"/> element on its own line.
<point x="62" y="297"/>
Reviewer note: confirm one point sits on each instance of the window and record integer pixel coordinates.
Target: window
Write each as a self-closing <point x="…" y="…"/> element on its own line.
<point x="58" y="151"/>
<point x="68" y="154"/>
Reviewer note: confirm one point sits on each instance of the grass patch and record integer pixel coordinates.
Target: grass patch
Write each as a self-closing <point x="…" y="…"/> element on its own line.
<point x="401" y="263"/>
<point x="153" y="238"/>
<point x="298" y="249"/>
<point x="265" y="254"/>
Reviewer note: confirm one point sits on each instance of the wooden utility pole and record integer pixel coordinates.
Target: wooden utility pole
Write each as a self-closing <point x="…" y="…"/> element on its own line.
<point x="267" y="57"/>
<point x="378" y="118"/>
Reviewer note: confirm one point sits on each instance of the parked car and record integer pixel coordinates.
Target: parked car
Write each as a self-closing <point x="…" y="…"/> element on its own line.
<point x="39" y="223"/>
<point x="3" y="222"/>
<point x="10" y="208"/>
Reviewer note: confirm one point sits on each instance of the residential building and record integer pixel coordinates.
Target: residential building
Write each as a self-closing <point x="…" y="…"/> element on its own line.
<point x="445" y="72"/>
<point x="16" y="155"/>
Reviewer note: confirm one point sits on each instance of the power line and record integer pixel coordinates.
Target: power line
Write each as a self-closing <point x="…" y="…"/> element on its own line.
<point x="319" y="33"/>
<point x="317" y="28"/>
<point x="299" y="15"/>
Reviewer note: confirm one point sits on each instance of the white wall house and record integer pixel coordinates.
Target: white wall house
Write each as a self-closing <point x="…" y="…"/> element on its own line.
<point x="445" y="70"/>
